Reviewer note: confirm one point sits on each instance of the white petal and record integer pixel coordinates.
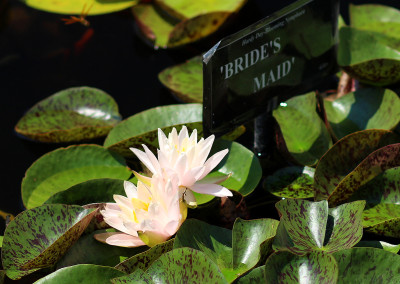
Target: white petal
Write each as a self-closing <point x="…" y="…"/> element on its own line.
<point x="153" y="159"/>
<point x="211" y="189"/>
<point x="163" y="160"/>
<point x="181" y="165"/>
<point x="217" y="179"/>
<point x="130" y="189"/>
<point x="213" y="161"/>
<point x="119" y="239"/>
<point x="144" y="159"/>
<point x="193" y="136"/>
<point x="182" y="135"/>
<point x="204" y="149"/>
<point x="190" y="177"/>
<point x="162" y="139"/>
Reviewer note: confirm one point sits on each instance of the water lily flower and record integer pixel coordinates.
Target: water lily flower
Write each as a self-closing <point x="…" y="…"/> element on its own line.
<point x="186" y="157"/>
<point x="148" y="215"/>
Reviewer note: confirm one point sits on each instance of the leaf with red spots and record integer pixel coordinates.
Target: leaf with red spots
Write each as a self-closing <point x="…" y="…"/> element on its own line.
<point x="345" y="156"/>
<point x="315" y="267"/>
<point x="73" y="114"/>
<point x="307" y="226"/>
<point x="367" y="265"/>
<point x="379" y="244"/>
<point x="236" y="251"/>
<point x="39" y="237"/>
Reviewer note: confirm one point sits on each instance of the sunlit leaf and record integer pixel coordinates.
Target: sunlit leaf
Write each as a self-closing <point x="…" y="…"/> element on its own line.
<point x="380" y="245"/>
<point x="65" y="167"/>
<point x="363" y="109"/>
<point x="305" y="135"/>
<point x="73" y="114"/>
<point x="39" y="237"/>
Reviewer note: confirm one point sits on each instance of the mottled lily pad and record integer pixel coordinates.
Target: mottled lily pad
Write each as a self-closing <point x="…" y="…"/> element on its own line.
<point x="369" y="57"/>
<point x="143" y="260"/>
<point x="311" y="226"/>
<point x="291" y="182"/>
<point x="73" y="114"/>
<point x="364" y="109"/>
<point x="185" y="80"/>
<point x="256" y="275"/>
<point x="39" y="237"/>
<point x="182" y="265"/>
<point x="165" y="32"/>
<point x="71" y="7"/>
<point x="380" y="245"/>
<point x="236" y="251"/>
<point x="382" y="219"/>
<point x="367" y="265"/>
<point x="315" y="267"/>
<point x="345" y="156"/>
<point x="305" y="135"/>
<point x="82" y="273"/>
<point x="65" y="167"/>
<point x="183" y="9"/>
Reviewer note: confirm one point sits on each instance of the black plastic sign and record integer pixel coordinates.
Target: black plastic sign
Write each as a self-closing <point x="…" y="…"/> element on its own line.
<point x="272" y="60"/>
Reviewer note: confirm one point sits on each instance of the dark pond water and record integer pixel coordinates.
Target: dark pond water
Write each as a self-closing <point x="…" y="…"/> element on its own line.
<point x="39" y="56"/>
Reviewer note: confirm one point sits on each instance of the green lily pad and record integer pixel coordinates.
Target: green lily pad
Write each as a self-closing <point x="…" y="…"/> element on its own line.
<point x="382" y="219"/>
<point x="363" y="109"/>
<point x="87" y="250"/>
<point x="367" y="265"/>
<point x="381" y="245"/>
<point x="39" y="237"/>
<point x="82" y="273"/>
<point x="305" y="135"/>
<point x="236" y="251"/>
<point x="91" y="191"/>
<point x="183" y="9"/>
<point x="73" y="114"/>
<point x="315" y="267"/>
<point x="139" y="277"/>
<point x="165" y="32"/>
<point x="185" y="80"/>
<point x="256" y="275"/>
<point x="377" y="18"/>
<point x="65" y="167"/>
<point x="307" y="226"/>
<point x="369" y="57"/>
<point x="345" y="156"/>
<point x="378" y="161"/>
<point x="71" y="7"/>
<point x="291" y="182"/>
<point x="143" y="260"/>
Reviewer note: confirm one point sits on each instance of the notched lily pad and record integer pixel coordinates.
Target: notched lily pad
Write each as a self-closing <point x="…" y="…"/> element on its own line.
<point x="39" y="237"/>
<point x="305" y="136"/>
<point x="370" y="108"/>
<point x="73" y="114"/>
<point x="185" y="80"/>
<point x="167" y="32"/>
<point x="315" y="267"/>
<point x="65" y="167"/>
<point x="370" y="57"/>
<point x="311" y="226"/>
<point x="291" y="182"/>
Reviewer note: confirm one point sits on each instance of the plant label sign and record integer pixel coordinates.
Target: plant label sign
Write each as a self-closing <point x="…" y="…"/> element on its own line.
<point x="281" y="56"/>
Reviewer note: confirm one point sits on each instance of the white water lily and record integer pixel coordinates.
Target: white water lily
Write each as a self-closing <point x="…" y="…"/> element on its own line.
<point x="186" y="157"/>
<point x="147" y="215"/>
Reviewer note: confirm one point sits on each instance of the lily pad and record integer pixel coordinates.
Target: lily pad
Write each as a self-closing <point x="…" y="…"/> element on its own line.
<point x="87" y="250"/>
<point x="382" y="219"/>
<point x="39" y="237"/>
<point x="364" y="109"/>
<point x="305" y="135"/>
<point x="367" y="265"/>
<point x="183" y="9"/>
<point x="316" y="267"/>
<point x="377" y="18"/>
<point x="307" y="226"/>
<point x="71" y="7"/>
<point x="236" y="251"/>
<point x="345" y="156"/>
<point x="143" y="260"/>
<point x="73" y="114"/>
<point x="369" y="57"/>
<point x="256" y="275"/>
<point x="185" y="80"/>
<point x="164" y="32"/>
<point x="82" y="273"/>
<point x="65" y="167"/>
<point x="379" y="244"/>
<point x="91" y="191"/>
<point x="291" y="182"/>
<point x="139" y="277"/>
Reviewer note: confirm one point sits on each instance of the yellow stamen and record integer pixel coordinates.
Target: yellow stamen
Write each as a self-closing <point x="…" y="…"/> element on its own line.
<point x="139" y="204"/>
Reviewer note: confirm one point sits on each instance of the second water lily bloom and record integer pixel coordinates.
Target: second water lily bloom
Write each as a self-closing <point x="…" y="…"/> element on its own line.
<point x="186" y="157"/>
<point x="148" y="215"/>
